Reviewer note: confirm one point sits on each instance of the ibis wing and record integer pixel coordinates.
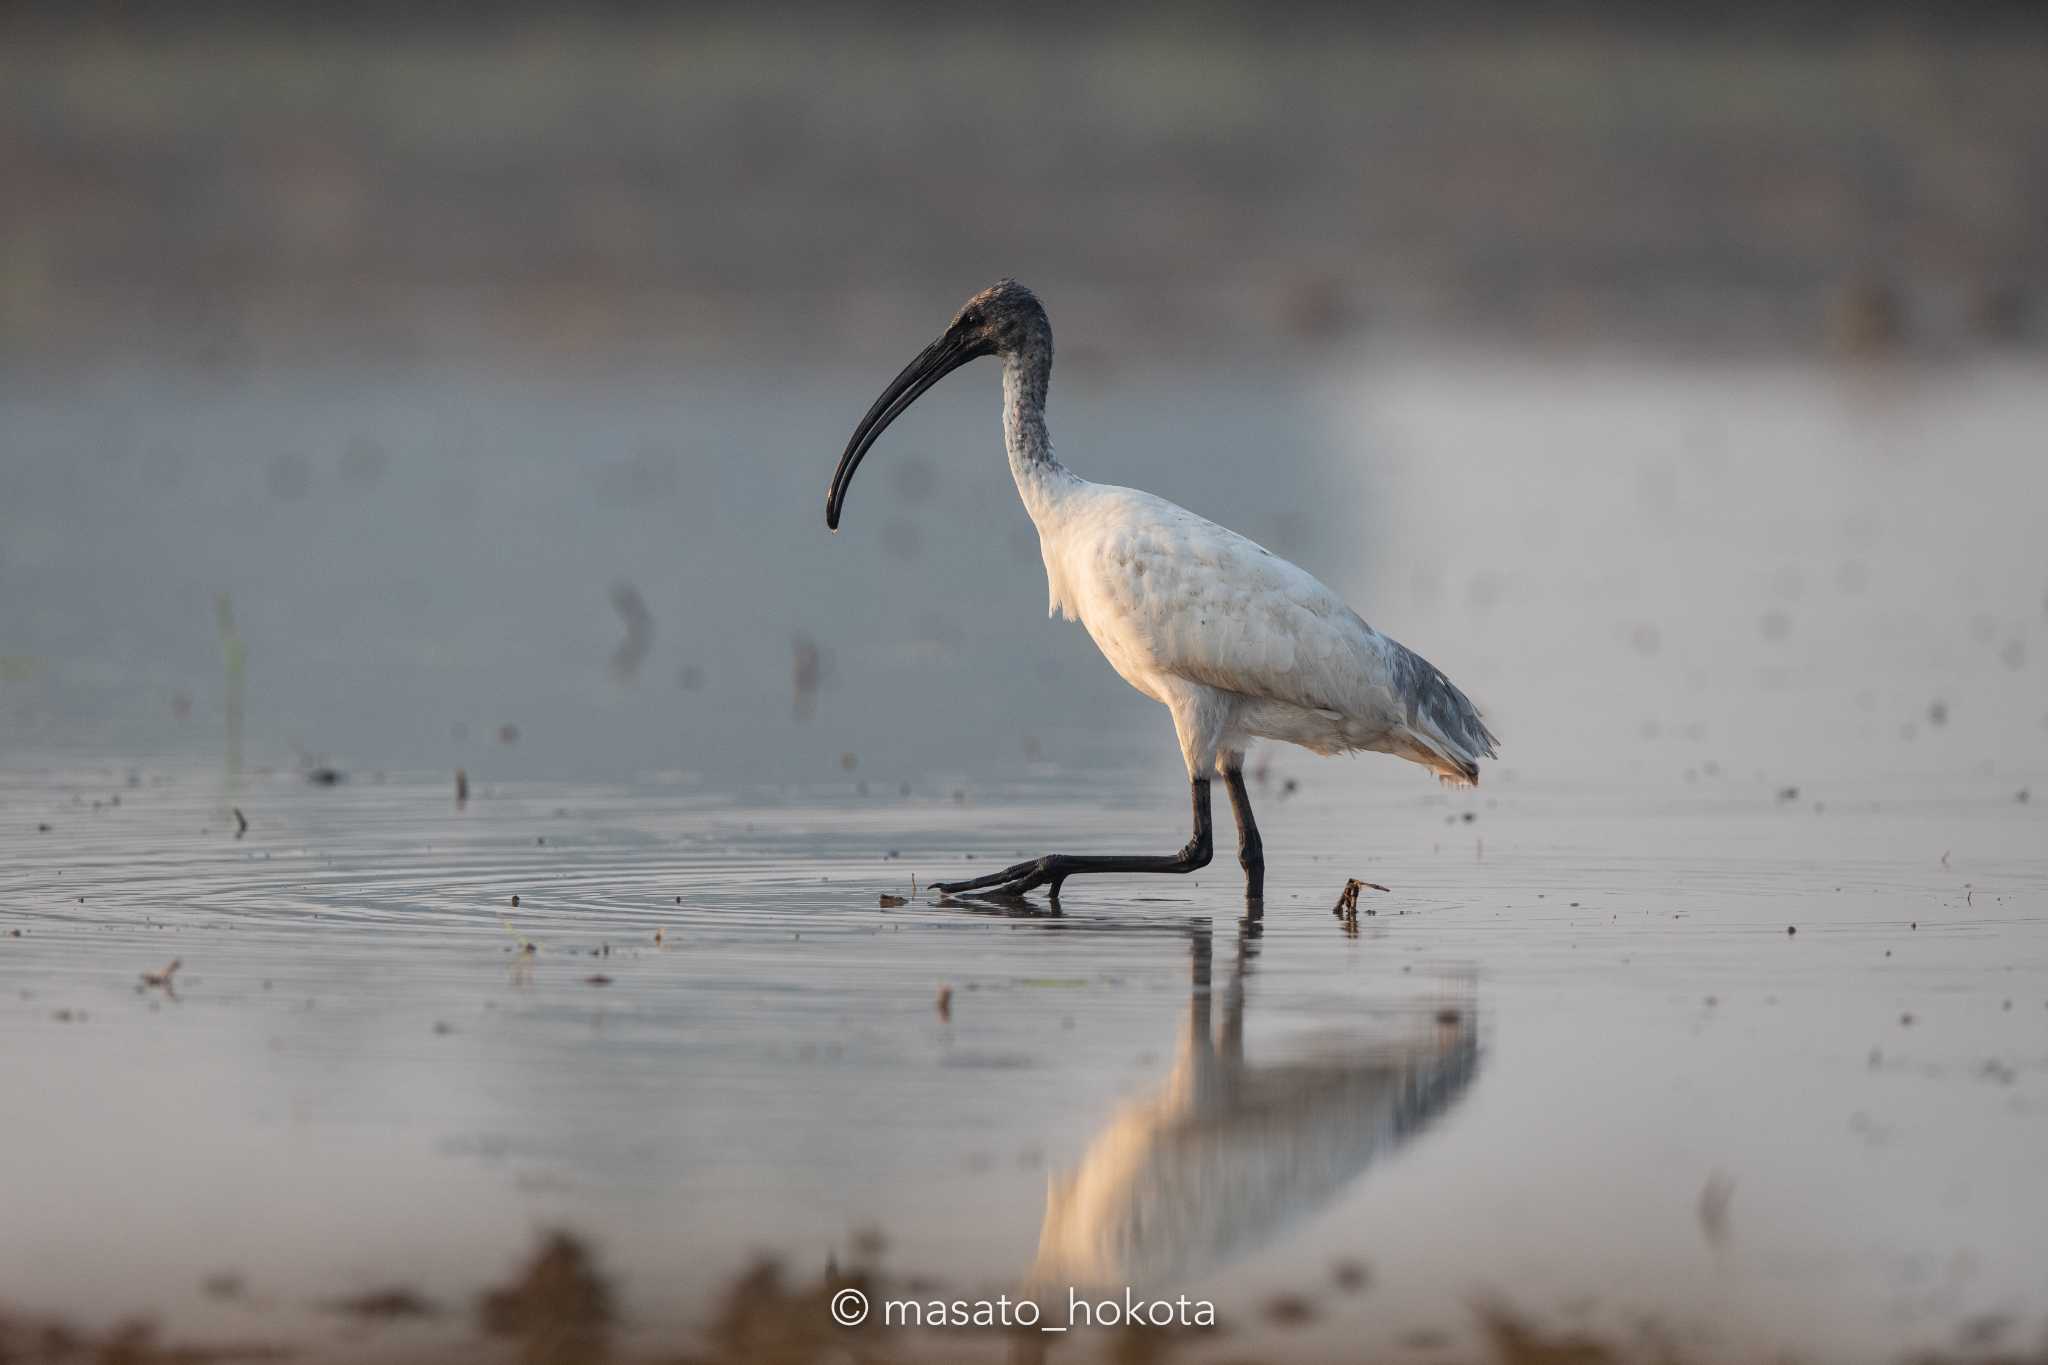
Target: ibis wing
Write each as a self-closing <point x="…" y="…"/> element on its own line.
<point x="1185" y="596"/>
<point x="1191" y="598"/>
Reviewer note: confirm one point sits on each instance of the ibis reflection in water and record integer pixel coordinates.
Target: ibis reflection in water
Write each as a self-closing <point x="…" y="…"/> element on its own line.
<point x="1236" y="642"/>
<point x="1228" y="1153"/>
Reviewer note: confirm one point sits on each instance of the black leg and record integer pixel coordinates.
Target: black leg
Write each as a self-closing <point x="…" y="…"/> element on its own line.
<point x="1251" y="850"/>
<point x="1055" y="868"/>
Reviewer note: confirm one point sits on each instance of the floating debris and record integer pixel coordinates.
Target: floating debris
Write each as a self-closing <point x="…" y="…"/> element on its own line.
<point x="162" y="980"/>
<point x="890" y="902"/>
<point x="223" y="1284"/>
<point x="1715" y="1197"/>
<point x="326" y="777"/>
<point x="241" y="822"/>
<point x="632" y="651"/>
<point x="1347" y="900"/>
<point x="945" y="1002"/>
<point x="385" y="1305"/>
<point x="600" y="979"/>
<point x="808" y="674"/>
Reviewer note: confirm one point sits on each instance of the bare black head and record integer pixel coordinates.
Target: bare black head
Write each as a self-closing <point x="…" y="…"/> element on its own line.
<point x="1004" y="319"/>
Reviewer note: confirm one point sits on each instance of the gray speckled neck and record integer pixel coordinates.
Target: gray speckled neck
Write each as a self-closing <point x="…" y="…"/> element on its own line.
<point x="1027" y="373"/>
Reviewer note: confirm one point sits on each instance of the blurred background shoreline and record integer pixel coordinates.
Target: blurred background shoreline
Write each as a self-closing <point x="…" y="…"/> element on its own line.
<point x="430" y="335"/>
<point x="223" y="189"/>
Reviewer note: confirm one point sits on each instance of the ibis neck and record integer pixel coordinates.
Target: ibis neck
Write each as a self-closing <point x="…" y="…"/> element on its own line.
<point x="1026" y="376"/>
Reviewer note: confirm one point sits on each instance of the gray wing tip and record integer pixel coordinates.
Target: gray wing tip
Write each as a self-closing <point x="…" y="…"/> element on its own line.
<point x="1434" y="700"/>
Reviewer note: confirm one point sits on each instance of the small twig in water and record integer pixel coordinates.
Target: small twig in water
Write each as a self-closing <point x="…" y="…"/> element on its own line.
<point x="1347" y="900"/>
<point x="162" y="980"/>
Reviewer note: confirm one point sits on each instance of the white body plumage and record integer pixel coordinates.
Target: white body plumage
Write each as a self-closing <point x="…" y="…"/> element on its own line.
<point x="1238" y="643"/>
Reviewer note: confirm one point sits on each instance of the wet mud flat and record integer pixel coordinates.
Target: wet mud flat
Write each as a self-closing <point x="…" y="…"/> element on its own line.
<point x="1685" y="1070"/>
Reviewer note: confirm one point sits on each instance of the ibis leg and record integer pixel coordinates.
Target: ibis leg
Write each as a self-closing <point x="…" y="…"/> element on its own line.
<point x="1055" y="868"/>
<point x="1251" y="850"/>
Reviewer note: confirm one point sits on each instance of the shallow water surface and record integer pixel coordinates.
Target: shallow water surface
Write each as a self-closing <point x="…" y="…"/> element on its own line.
<point x="1573" y="1060"/>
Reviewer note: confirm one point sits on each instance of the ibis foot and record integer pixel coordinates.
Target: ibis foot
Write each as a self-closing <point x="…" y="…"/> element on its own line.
<point x="1054" y="868"/>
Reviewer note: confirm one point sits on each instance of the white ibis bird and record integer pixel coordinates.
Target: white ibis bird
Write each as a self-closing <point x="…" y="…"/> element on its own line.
<point x="1236" y="642"/>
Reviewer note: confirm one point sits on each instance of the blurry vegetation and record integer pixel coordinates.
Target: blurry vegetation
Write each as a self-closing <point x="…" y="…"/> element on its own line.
<point x="223" y="186"/>
<point x="560" y="1308"/>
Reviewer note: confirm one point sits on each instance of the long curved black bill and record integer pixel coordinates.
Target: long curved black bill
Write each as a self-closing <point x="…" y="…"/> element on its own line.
<point x="934" y="363"/>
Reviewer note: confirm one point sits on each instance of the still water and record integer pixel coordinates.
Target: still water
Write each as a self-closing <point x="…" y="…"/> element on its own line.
<point x="1568" y="1019"/>
<point x="1765" y="653"/>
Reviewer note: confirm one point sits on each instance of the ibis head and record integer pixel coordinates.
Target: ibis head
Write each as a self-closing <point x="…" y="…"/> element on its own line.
<point x="1004" y="319"/>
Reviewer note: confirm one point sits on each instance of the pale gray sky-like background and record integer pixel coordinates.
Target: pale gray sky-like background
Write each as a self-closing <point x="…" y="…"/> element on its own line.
<point x="1657" y="355"/>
